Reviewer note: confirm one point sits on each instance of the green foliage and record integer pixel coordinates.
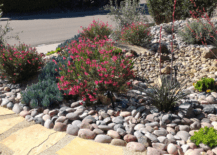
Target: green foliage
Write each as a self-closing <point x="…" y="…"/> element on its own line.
<point x="168" y="29"/>
<point x="207" y="136"/>
<point x="204" y="84"/>
<point x="196" y="33"/>
<point x="51" y="71"/>
<point x="124" y="15"/>
<point x="48" y="71"/>
<point x="165" y="94"/>
<point x="116" y="51"/>
<point x="52" y="52"/>
<point x="162" y="10"/>
<point x="43" y="94"/>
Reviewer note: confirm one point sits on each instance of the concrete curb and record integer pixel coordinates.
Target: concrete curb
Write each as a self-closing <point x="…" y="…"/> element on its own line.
<point x="5" y="19"/>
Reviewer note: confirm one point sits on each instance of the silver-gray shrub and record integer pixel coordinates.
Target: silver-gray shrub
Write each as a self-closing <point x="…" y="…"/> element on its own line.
<point x="125" y="15"/>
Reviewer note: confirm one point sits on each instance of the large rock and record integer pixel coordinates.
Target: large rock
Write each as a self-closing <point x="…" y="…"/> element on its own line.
<point x="86" y="134"/>
<point x="60" y="126"/>
<point x="72" y="130"/>
<point x="209" y="53"/>
<point x="118" y="142"/>
<point x="103" y="139"/>
<point x="153" y="151"/>
<point x="136" y="147"/>
<point x="130" y="138"/>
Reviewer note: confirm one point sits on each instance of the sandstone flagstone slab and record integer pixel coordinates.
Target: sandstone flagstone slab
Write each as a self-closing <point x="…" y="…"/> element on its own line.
<point x="35" y="138"/>
<point x="7" y="124"/>
<point x="5" y="111"/>
<point x="88" y="147"/>
<point x="53" y="139"/>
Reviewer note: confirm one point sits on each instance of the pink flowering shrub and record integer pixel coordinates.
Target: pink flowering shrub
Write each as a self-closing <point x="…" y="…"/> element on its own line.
<point x="94" y="70"/>
<point x="136" y="34"/>
<point x="19" y="63"/>
<point x="96" y="30"/>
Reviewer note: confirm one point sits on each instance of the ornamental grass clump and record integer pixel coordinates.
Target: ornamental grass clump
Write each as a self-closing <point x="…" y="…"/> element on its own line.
<point x="95" y="70"/>
<point x="165" y="94"/>
<point x="19" y="63"/>
<point x="96" y="30"/>
<point x="196" y="29"/>
<point x="207" y="136"/>
<point x="136" y="34"/>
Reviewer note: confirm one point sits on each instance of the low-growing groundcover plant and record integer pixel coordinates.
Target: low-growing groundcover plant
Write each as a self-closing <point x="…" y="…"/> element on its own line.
<point x="43" y="94"/>
<point x="94" y="71"/>
<point x="52" y="52"/>
<point x="205" y="84"/>
<point x="207" y="136"/>
<point x="19" y="63"/>
<point x="39" y="95"/>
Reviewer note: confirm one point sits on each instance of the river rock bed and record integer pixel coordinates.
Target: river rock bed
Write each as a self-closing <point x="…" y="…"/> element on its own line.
<point x="134" y="122"/>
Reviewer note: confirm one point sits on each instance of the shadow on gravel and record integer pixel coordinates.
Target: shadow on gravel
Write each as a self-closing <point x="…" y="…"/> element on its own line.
<point x="62" y="13"/>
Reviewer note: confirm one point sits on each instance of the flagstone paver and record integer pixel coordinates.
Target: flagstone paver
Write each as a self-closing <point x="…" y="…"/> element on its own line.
<point x="5" y="111"/>
<point x="35" y="138"/>
<point x="88" y="147"/>
<point x="6" y="124"/>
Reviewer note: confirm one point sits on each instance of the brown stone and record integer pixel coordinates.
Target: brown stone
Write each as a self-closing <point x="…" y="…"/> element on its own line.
<point x="60" y="126"/>
<point x="130" y="138"/>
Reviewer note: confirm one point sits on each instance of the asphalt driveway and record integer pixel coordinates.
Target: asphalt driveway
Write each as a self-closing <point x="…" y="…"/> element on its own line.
<point x="43" y="29"/>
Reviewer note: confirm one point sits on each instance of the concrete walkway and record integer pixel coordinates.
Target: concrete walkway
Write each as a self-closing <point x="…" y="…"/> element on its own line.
<point x="19" y="137"/>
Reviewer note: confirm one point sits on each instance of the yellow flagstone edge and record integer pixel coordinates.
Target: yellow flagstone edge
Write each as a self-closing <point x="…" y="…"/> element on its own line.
<point x="5" y="111"/>
<point x="87" y="147"/>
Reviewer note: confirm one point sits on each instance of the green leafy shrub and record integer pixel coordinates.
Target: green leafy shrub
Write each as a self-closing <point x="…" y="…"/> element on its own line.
<point x="19" y="63"/>
<point x="204" y="84"/>
<point x="52" y="52"/>
<point x="207" y="136"/>
<point x="43" y="94"/>
<point x="168" y="29"/>
<point x="116" y="51"/>
<point x="162" y="10"/>
<point x="194" y="33"/>
<point x="165" y="94"/>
